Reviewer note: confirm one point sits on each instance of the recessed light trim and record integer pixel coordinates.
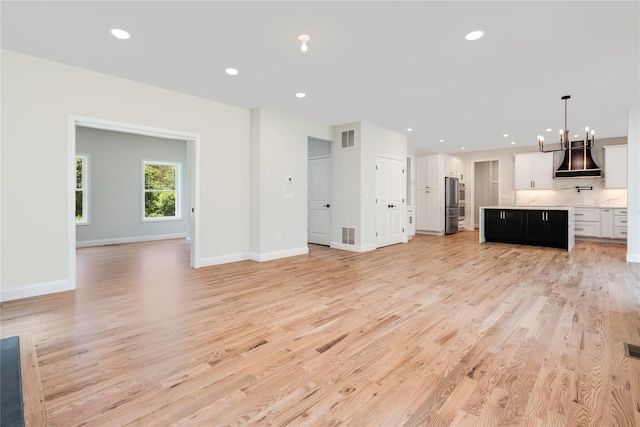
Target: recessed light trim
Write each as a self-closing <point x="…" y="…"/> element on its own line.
<point x="120" y="34"/>
<point x="231" y="71"/>
<point x="409" y="129"/>
<point x="474" y="35"/>
<point x="513" y="142"/>
<point x="301" y="95"/>
<point x="463" y="148"/>
<point x="506" y="135"/>
<point x="442" y="140"/>
<point x="549" y="129"/>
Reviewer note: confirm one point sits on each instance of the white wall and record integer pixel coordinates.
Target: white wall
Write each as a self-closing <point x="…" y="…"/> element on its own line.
<point x="345" y="187"/>
<point x="279" y="150"/>
<point x="633" y="195"/>
<point x="115" y="179"/>
<point x="38" y="97"/>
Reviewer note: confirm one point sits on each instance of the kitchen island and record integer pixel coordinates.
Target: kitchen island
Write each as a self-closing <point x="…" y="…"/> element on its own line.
<point x="528" y="225"/>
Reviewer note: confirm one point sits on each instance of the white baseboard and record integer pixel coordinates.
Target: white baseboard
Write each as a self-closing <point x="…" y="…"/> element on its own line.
<point x="136" y="239"/>
<point x="268" y="256"/>
<point x="223" y="259"/>
<point x="28" y="291"/>
<point x="352" y="248"/>
<point x="633" y="257"/>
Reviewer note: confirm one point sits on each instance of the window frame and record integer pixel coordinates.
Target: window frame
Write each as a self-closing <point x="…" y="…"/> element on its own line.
<point x="85" y="188"/>
<point x="178" y="191"/>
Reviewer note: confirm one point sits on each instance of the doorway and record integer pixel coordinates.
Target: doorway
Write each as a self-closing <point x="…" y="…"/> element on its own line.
<point x="486" y="187"/>
<point x="319" y="191"/>
<point x="193" y="157"/>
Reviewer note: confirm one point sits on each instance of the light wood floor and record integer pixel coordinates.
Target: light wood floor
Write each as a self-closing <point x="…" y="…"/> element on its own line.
<point x="439" y="331"/>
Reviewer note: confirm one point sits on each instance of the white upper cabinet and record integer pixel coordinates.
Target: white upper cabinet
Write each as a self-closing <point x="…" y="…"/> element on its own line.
<point x="534" y="171"/>
<point x="451" y="166"/>
<point x="430" y="172"/>
<point x="454" y="167"/>
<point x="615" y="166"/>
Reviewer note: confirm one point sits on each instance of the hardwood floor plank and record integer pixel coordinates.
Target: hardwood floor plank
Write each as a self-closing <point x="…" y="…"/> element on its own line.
<point x="441" y="331"/>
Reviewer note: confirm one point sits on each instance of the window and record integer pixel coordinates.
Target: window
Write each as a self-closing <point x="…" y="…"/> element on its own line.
<point x="161" y="183"/>
<point x="82" y="189"/>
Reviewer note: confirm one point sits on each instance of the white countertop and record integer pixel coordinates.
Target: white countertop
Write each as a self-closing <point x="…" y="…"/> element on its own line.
<point x="537" y="208"/>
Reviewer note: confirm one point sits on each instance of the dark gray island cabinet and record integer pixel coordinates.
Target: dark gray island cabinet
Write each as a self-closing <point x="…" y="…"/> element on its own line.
<point x="528" y="225"/>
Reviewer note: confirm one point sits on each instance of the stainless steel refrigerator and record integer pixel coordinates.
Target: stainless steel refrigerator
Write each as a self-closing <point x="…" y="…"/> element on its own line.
<point x="451" y="205"/>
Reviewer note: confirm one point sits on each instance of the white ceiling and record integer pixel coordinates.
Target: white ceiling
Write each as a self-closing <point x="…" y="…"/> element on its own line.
<point x="394" y="64"/>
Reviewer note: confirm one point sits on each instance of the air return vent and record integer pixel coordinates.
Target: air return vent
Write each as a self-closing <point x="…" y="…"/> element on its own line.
<point x="348" y="138"/>
<point x="348" y="235"/>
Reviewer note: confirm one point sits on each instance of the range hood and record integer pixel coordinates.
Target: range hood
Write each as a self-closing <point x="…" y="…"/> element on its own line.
<point x="578" y="163"/>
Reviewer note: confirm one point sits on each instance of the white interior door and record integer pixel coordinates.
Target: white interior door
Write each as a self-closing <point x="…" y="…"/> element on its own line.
<point x="389" y="202"/>
<point x="319" y="209"/>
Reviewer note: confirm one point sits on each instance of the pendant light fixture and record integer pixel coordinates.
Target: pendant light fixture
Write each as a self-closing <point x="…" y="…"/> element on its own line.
<point x="565" y="144"/>
<point x="304" y="39"/>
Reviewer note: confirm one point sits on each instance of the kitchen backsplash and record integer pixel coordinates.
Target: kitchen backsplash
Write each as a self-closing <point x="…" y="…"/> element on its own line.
<point x="566" y="194"/>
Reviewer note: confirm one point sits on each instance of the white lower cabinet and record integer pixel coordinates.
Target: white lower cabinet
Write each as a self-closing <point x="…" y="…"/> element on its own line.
<point x="430" y="211"/>
<point x="606" y="223"/>
<point x="619" y="223"/>
<point x="587" y="222"/>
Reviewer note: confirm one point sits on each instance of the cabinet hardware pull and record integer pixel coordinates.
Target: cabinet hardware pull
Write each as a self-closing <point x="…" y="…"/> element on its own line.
<point x="578" y="229"/>
<point x="576" y="214"/>
<point x="623" y="221"/>
<point x="623" y="232"/>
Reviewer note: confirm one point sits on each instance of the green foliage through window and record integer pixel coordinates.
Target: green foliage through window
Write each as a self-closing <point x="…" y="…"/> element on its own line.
<point x="160" y="190"/>
<point x="82" y="164"/>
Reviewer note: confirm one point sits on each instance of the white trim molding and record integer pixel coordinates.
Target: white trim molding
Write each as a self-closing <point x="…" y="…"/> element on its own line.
<point x="269" y="256"/>
<point x="136" y="239"/>
<point x="352" y="248"/>
<point x="222" y="259"/>
<point x="28" y="291"/>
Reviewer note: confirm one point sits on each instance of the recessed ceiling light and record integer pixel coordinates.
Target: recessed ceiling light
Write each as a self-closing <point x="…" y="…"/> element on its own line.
<point x="409" y="129"/>
<point x="442" y="140"/>
<point x="513" y="142"/>
<point x="231" y="71"/>
<point x="301" y="94"/>
<point x="549" y="129"/>
<point x="505" y="135"/>
<point x="474" y="35"/>
<point x="576" y="136"/>
<point x="462" y="148"/>
<point x="120" y="34"/>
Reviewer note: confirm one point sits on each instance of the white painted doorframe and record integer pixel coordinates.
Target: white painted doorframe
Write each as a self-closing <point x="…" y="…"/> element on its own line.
<point x="193" y="142"/>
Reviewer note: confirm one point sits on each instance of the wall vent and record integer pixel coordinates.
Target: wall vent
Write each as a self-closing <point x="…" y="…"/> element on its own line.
<point x="348" y="138"/>
<point x="348" y="235"/>
<point x="630" y="350"/>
